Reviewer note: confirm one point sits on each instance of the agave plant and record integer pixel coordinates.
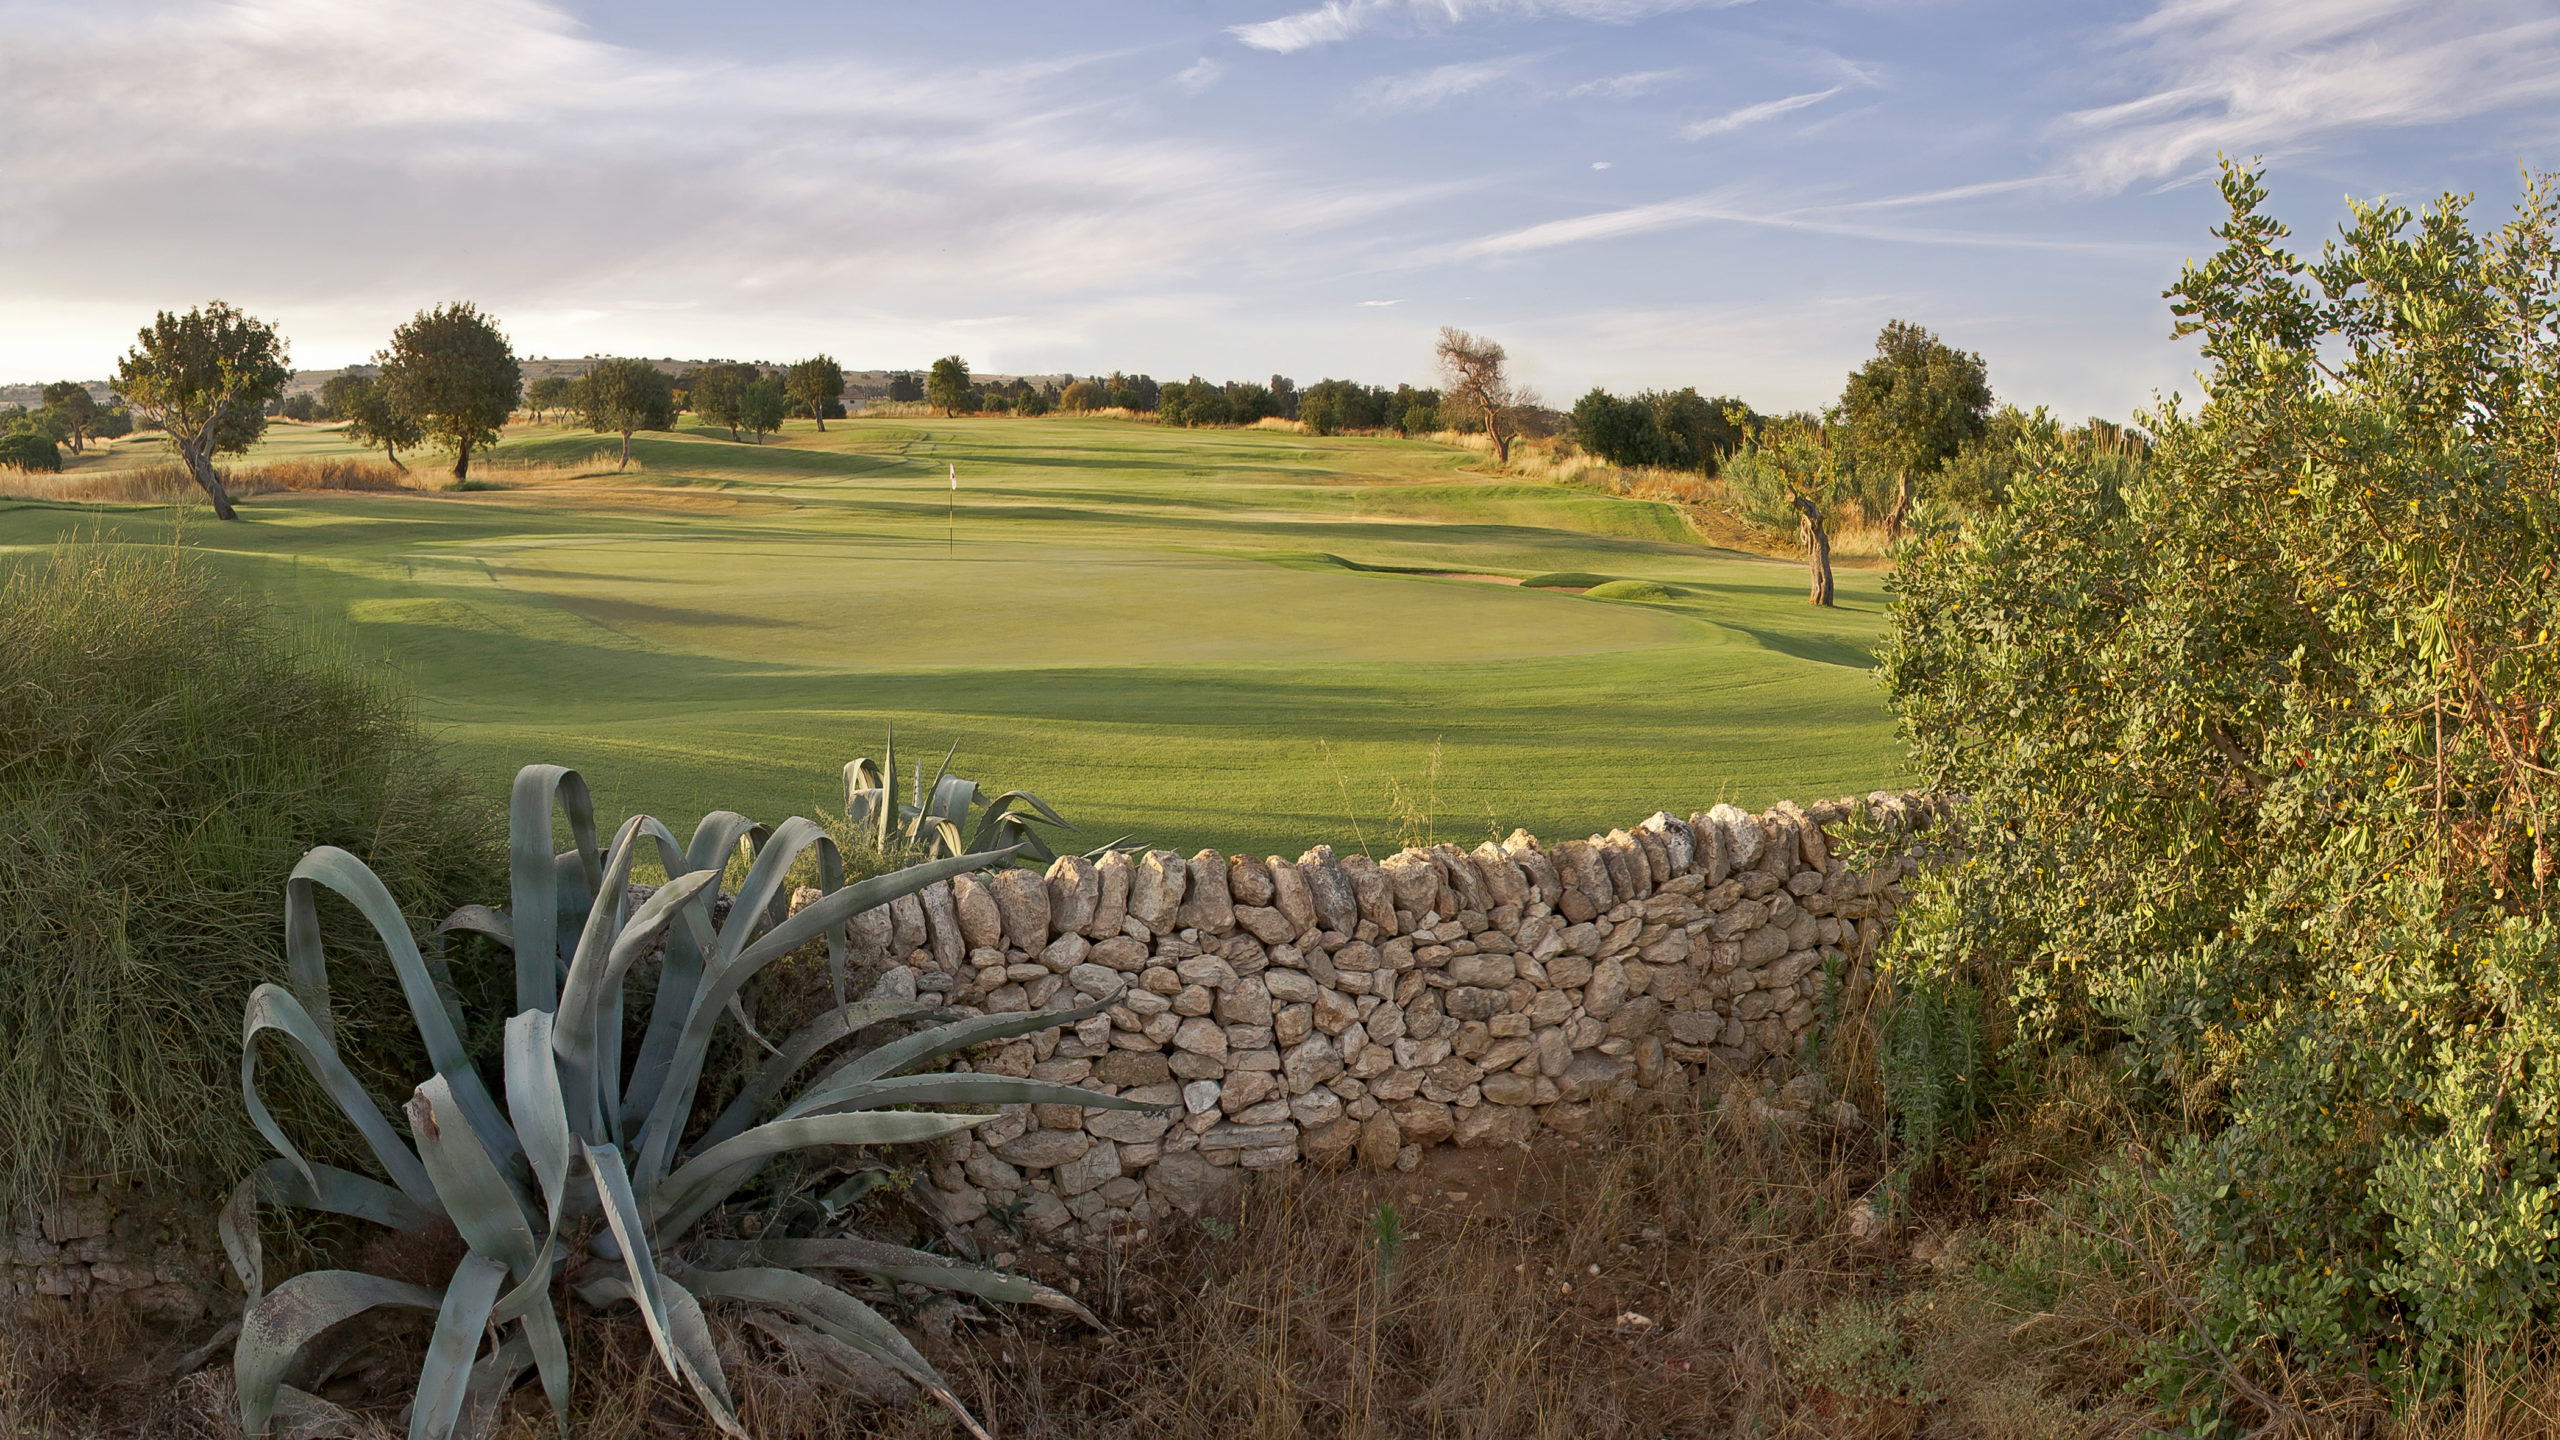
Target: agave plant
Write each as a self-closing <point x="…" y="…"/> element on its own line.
<point x="580" y="1169"/>
<point x="932" y="821"/>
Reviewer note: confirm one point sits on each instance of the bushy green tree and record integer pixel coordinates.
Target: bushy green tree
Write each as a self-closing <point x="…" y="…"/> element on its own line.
<point x="206" y="377"/>
<point x="816" y="385"/>
<point x="2258" y="743"/>
<point x="78" y="408"/>
<point x="373" y="417"/>
<point x="1794" y="476"/>
<point x="1911" y="408"/>
<point x="453" y="372"/>
<point x="948" y="385"/>
<point x="905" y="386"/>
<point x="761" y="406"/>
<point x="551" y="392"/>
<point x="623" y="397"/>
<point x="302" y="409"/>
<point x="718" y="394"/>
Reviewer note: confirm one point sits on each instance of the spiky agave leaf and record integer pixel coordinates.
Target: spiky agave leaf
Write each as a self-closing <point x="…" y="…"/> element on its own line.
<point x="511" y="1180"/>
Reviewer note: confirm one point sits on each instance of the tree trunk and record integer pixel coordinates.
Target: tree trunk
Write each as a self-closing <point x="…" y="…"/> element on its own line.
<point x="391" y="453"/>
<point x="198" y="453"/>
<point x="818" y="412"/>
<point x="462" y="463"/>
<point x="626" y="452"/>
<point x="1817" y="549"/>
<point x="1903" y="493"/>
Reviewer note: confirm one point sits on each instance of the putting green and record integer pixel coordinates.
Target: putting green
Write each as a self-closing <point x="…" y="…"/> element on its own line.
<point x="1241" y="638"/>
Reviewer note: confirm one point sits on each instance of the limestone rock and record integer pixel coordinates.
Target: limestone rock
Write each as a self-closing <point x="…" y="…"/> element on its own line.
<point x="1248" y="881"/>
<point x="1423" y="1122"/>
<point x="1290" y="896"/>
<point x="1185" y="1180"/>
<point x="1075" y="888"/>
<point x="1111" y="903"/>
<point x="1331" y="1143"/>
<point x="1381" y="1140"/>
<point x="1329" y="887"/>
<point x="1485" y="1125"/>
<point x="1022" y="898"/>
<point x="942" y="925"/>
<point x="1208" y="906"/>
<point x="1156" y="889"/>
<point x="981" y="921"/>
<point x="1044" y="1149"/>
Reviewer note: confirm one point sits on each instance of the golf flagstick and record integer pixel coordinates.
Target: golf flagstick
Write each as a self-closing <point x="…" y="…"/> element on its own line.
<point x="951" y="520"/>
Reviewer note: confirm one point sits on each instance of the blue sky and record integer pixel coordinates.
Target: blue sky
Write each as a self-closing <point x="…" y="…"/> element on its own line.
<point x="1626" y="192"/>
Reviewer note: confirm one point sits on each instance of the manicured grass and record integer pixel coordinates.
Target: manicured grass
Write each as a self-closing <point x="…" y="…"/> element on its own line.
<point x="1225" y="638"/>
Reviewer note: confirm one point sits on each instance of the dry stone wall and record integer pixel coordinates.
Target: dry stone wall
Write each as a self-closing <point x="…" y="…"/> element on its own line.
<point x="1338" y="1007"/>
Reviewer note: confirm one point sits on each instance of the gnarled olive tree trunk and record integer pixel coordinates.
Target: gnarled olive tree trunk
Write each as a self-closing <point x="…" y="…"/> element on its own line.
<point x="1817" y="548"/>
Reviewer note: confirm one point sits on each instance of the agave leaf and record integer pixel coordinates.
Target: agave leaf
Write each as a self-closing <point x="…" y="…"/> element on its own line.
<point x="550" y="1353"/>
<point x="445" y="1379"/>
<point x="830" y="1311"/>
<point x="946" y="838"/>
<point x="838" y="1095"/>
<point x="592" y="999"/>
<point x="353" y="879"/>
<point x="477" y="1194"/>
<point x="811" y="1038"/>
<point x="480" y="920"/>
<point x="673" y="1104"/>
<point x="327" y="1188"/>
<point x="697" y="1358"/>
<point x="831" y="880"/>
<point x="960" y="1035"/>
<point x="631" y="1236"/>
<point x="272" y="1007"/>
<point x="273" y="1331"/>
<point x="691" y="1182"/>
<point x="680" y="976"/>
<point x="540" y="1112"/>
<point x="534" y="879"/>
<point x="898" y="1263"/>
<point x="763" y="885"/>
<point x="926" y="795"/>
<point x="491" y="1381"/>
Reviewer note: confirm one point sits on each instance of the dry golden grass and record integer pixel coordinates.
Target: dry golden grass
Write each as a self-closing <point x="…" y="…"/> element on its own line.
<point x="1855" y="535"/>
<point x="168" y="483"/>
<point x="1697" y="1277"/>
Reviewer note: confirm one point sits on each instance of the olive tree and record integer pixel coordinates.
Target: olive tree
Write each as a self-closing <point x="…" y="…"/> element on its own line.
<point x="948" y="385"/>
<point x="551" y="392"/>
<point x="1793" y="475"/>
<point x="206" y="377"/>
<point x="625" y="396"/>
<point x="818" y="384"/>
<point x="761" y="406"/>
<point x="1909" y="410"/>
<point x="454" y="372"/>
<point x="78" y="408"/>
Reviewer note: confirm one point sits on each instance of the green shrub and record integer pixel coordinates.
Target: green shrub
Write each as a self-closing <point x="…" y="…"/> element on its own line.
<point x="29" y="450"/>
<point x="165" y="753"/>
<point x="2259" y="744"/>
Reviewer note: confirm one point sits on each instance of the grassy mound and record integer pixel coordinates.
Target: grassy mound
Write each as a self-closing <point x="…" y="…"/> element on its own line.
<point x="1566" y="580"/>
<point x="166" y="755"/>
<point x="1633" y="590"/>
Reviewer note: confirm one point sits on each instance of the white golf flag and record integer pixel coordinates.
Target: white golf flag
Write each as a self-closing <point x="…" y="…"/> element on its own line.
<point x="955" y="474"/>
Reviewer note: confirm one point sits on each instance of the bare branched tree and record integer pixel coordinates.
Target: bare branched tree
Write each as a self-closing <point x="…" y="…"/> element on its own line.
<point x="1476" y="374"/>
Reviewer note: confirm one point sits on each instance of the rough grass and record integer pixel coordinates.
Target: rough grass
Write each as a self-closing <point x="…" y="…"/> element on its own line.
<point x="167" y="751"/>
<point x="1126" y="618"/>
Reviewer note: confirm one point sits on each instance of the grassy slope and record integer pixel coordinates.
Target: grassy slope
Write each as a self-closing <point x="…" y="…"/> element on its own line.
<point x="1162" y="631"/>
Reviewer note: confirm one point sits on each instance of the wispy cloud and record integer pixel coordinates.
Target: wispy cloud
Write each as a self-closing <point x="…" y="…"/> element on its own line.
<point x="1200" y="75"/>
<point x="1749" y="115"/>
<point x="2280" y="76"/>
<point x="1337" y="20"/>
<point x="1756" y="206"/>
<point x="1438" y="85"/>
<point x="1626" y="87"/>
<point x="1379" y="304"/>
<point x="305" y="139"/>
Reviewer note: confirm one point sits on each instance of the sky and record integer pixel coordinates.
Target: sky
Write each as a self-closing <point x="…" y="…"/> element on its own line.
<point x="1626" y="193"/>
